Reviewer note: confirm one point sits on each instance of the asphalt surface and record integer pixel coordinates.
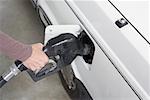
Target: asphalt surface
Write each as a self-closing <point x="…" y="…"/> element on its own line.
<point x="19" y="19"/>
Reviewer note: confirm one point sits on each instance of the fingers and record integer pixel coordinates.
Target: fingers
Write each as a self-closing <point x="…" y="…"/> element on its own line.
<point x="40" y="64"/>
<point x="34" y="66"/>
<point x="38" y="58"/>
<point x="45" y="58"/>
<point x="40" y="46"/>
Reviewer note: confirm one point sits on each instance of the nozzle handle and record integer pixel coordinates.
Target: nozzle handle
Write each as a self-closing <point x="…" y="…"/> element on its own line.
<point x="20" y="65"/>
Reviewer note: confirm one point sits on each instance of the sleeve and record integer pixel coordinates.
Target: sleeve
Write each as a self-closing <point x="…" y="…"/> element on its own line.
<point x="14" y="49"/>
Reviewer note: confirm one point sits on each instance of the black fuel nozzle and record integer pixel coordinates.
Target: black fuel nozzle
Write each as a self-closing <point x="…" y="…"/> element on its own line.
<point x="61" y="50"/>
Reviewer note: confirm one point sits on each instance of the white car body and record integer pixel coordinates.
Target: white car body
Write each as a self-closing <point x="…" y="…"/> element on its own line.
<point x="121" y="64"/>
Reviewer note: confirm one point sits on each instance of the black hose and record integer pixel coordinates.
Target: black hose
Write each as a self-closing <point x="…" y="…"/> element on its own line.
<point x="2" y="81"/>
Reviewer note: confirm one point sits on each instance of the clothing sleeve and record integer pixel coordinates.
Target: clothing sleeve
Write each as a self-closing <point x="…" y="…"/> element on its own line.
<point x="14" y="49"/>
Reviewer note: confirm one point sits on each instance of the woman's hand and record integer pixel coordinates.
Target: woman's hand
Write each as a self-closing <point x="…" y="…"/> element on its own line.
<point x="38" y="58"/>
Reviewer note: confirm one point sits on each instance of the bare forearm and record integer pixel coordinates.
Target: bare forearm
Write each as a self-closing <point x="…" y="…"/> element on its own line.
<point x="13" y="48"/>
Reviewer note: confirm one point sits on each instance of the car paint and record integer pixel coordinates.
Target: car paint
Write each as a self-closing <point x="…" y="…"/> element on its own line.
<point x="117" y="71"/>
<point x="137" y="14"/>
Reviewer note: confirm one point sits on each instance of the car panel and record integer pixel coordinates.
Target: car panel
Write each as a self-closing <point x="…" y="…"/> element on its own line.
<point x="137" y="13"/>
<point x="128" y="61"/>
<point x="109" y="70"/>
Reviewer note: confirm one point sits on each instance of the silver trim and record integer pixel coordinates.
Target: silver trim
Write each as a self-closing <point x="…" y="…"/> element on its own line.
<point x="13" y="71"/>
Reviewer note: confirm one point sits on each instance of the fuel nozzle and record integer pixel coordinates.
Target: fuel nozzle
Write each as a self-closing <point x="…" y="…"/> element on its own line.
<point x="61" y="50"/>
<point x="64" y="45"/>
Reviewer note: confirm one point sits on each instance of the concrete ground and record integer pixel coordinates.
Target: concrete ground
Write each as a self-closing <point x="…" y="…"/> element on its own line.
<point x="20" y="21"/>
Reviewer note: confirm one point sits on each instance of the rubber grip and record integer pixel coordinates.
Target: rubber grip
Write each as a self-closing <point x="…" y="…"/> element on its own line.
<point x="21" y="67"/>
<point x="2" y="82"/>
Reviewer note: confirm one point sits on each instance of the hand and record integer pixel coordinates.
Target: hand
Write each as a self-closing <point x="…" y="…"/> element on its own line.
<point x="38" y="58"/>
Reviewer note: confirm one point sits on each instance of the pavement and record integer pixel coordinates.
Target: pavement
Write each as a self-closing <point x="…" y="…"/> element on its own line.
<point x="19" y="19"/>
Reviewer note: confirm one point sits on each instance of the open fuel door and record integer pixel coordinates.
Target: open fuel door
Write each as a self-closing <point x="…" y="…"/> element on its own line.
<point x="63" y="44"/>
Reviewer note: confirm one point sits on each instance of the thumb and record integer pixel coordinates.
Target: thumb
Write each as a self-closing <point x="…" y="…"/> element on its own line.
<point x="40" y="46"/>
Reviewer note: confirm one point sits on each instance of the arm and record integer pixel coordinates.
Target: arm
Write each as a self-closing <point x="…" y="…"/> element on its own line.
<point x="32" y="56"/>
<point x="13" y="48"/>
